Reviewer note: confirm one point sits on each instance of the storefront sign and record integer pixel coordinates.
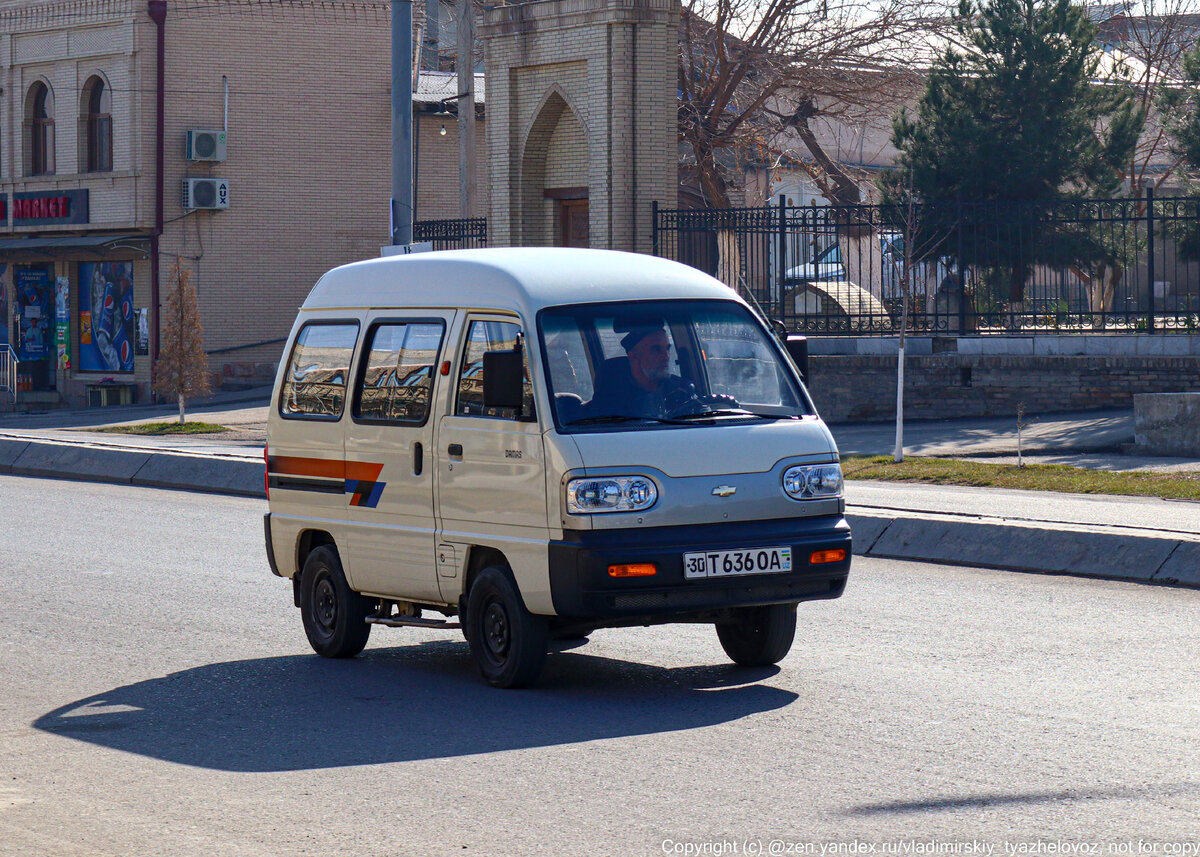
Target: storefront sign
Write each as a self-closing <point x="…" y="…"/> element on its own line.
<point x="62" y="322"/>
<point x="41" y="208"/>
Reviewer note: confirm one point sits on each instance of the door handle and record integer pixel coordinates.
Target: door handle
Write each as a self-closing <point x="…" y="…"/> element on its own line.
<point x="455" y="450"/>
<point x="418" y="458"/>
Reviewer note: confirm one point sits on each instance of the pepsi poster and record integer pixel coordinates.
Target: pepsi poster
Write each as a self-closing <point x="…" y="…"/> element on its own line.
<point x="106" y="318"/>
<point x="34" y="301"/>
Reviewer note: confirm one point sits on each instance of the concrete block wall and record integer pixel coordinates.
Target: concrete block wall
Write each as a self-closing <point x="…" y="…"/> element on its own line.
<point x="940" y="386"/>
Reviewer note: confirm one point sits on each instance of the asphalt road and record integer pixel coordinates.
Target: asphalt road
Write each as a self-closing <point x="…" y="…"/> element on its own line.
<point x="159" y="698"/>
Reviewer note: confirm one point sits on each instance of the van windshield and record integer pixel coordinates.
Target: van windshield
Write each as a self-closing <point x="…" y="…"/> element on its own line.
<point x="652" y="363"/>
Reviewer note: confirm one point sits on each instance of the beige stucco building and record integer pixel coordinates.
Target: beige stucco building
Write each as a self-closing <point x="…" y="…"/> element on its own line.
<point x="299" y="96"/>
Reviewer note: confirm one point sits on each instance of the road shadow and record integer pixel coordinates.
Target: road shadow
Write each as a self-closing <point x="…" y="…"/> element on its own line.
<point x="999" y="799"/>
<point x="399" y="704"/>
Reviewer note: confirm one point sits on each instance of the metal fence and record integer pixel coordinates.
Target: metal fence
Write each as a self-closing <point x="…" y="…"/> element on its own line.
<point x="8" y="371"/>
<point x="1078" y="266"/>
<point x="459" y="234"/>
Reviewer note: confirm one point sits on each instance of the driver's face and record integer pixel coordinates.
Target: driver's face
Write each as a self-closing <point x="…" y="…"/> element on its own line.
<point x="652" y="356"/>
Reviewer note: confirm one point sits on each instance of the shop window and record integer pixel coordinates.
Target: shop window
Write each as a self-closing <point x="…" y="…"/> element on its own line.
<point x="39" y="131"/>
<point x="315" y="386"/>
<point x="96" y="126"/>
<point x="107" y="322"/>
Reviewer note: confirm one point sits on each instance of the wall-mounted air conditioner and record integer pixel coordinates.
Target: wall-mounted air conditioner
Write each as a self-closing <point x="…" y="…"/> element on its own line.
<point x="206" y="145"/>
<point x="205" y="193"/>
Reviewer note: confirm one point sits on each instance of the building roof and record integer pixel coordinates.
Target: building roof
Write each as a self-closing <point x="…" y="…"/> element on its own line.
<point x="517" y="279"/>
<point x="437" y="86"/>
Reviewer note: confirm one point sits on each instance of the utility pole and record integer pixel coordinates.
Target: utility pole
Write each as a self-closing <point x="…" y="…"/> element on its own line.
<point x="402" y="120"/>
<point x="464" y="65"/>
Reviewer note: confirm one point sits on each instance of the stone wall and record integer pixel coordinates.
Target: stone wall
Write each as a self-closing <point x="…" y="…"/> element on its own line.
<point x="943" y="386"/>
<point x="607" y="65"/>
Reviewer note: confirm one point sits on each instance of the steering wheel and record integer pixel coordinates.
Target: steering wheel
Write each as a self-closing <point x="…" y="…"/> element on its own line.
<point x="685" y="400"/>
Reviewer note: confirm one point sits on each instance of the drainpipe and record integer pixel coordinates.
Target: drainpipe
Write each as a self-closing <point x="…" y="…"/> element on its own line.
<point x="158" y="14"/>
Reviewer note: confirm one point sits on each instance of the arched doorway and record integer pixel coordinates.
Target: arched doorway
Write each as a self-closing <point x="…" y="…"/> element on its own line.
<point x="555" y="178"/>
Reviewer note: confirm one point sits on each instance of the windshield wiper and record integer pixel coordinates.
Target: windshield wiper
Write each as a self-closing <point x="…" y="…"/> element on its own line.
<point x="727" y="412"/>
<point x="621" y="418"/>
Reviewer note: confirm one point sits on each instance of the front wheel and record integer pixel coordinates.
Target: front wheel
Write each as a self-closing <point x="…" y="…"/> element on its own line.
<point x="334" y="614"/>
<point x="758" y="636"/>
<point x="507" y="641"/>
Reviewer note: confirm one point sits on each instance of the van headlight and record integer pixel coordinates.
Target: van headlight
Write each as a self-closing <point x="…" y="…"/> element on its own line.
<point x="590" y="494"/>
<point x="813" y="481"/>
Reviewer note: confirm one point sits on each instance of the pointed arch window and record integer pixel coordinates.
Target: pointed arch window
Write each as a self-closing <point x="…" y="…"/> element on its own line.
<point x="97" y="126"/>
<point x="39" y="124"/>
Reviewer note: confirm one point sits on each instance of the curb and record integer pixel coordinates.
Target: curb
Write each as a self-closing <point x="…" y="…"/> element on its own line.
<point x="187" y="471"/>
<point x="1083" y="551"/>
<point x="1111" y="553"/>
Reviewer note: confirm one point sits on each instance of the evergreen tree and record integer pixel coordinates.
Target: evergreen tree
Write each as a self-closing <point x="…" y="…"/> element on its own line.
<point x="182" y="367"/>
<point x="1013" y="113"/>
<point x="1181" y="106"/>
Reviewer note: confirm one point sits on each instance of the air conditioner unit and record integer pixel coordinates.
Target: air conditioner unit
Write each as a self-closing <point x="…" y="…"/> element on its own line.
<point x="205" y="193"/>
<point x="206" y="145"/>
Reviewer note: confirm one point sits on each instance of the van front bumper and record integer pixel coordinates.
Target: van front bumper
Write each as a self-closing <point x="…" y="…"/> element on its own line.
<point x="582" y="588"/>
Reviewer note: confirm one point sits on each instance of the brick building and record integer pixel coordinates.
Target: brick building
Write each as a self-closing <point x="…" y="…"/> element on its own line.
<point x="101" y="194"/>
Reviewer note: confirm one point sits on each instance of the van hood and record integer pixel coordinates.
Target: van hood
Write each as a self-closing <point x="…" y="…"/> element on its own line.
<point x="708" y="450"/>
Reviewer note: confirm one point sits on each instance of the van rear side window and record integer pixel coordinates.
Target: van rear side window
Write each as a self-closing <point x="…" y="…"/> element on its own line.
<point x="398" y="378"/>
<point x="315" y="384"/>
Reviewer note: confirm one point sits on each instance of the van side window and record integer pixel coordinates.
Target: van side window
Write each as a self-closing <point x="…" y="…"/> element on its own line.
<point x="485" y="336"/>
<point x="315" y="384"/>
<point x="397" y="381"/>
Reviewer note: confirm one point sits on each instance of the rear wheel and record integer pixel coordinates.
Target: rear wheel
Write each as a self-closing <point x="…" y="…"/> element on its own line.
<point x="507" y="641"/>
<point x="758" y="636"/>
<point x="334" y="614"/>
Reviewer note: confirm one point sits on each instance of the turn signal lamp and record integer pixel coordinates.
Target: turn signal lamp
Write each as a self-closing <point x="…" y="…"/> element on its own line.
<point x="267" y="470"/>
<point x="823" y="557"/>
<point x="636" y="569"/>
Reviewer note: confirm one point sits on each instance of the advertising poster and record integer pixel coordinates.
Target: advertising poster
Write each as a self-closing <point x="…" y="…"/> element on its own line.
<point x="62" y="321"/>
<point x="35" y="306"/>
<point x="143" y="332"/>
<point x="106" y="317"/>
<point x="3" y="303"/>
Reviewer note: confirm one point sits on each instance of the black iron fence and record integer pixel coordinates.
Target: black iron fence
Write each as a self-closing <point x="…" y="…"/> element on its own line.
<point x="1078" y="266"/>
<point x="462" y="234"/>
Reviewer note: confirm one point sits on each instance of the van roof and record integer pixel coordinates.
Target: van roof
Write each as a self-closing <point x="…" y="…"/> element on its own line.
<point x="521" y="279"/>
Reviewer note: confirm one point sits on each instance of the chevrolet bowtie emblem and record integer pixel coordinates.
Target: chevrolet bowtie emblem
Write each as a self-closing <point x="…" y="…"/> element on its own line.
<point x="724" y="491"/>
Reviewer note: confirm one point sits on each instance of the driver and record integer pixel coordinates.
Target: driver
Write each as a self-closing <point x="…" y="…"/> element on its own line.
<point x="644" y="386"/>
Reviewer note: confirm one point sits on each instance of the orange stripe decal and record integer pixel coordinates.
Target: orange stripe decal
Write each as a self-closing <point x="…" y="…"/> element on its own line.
<point x="324" y="468"/>
<point x="363" y="471"/>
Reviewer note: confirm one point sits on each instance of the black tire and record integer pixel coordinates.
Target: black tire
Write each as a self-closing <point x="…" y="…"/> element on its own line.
<point x="506" y="640"/>
<point x="334" y="614"/>
<point x="759" y="636"/>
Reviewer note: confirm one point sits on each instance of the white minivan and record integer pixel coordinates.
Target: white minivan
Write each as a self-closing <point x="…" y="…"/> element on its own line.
<point x="538" y="443"/>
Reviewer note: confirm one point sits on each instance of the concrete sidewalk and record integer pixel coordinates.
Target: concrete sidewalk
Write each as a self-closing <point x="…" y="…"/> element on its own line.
<point x="1122" y="538"/>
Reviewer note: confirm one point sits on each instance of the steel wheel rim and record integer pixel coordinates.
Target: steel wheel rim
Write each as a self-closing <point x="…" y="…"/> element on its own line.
<point x="325" y="606"/>
<point x="497" y="632"/>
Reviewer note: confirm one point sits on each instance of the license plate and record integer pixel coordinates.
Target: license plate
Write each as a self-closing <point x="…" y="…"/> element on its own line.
<point x="731" y="563"/>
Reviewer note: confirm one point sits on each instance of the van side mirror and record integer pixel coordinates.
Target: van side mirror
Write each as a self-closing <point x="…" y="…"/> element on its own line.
<point x="503" y="379"/>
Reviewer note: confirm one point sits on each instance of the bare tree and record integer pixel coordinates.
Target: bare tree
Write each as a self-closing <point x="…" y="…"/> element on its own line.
<point x="914" y="254"/>
<point x="1148" y="41"/>
<point x="182" y="368"/>
<point x="756" y="76"/>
